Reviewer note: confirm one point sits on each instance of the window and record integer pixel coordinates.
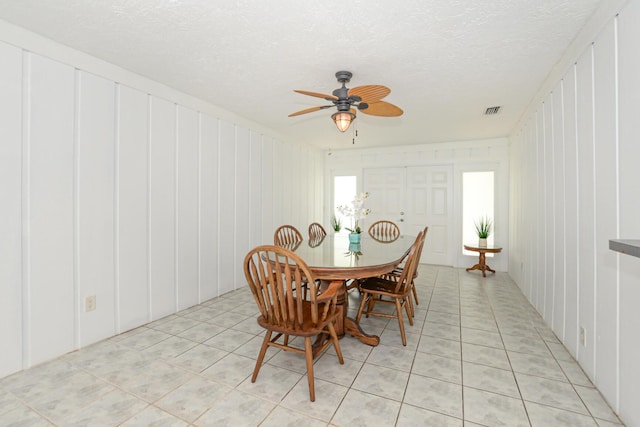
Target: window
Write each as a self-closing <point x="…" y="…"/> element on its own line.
<point x="344" y="190"/>
<point x="477" y="202"/>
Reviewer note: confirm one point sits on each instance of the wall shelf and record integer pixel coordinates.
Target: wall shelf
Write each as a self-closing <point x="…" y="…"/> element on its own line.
<point x="626" y="246"/>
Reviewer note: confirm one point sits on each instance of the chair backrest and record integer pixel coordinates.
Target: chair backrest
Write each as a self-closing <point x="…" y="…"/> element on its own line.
<point x="286" y="235"/>
<point x="316" y="231"/>
<point x="384" y="230"/>
<point x="411" y="265"/>
<point x="424" y="237"/>
<point x="276" y="277"/>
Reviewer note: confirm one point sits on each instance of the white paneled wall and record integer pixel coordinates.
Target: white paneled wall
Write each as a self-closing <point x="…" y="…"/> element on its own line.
<point x="50" y="208"/>
<point x="132" y="302"/>
<point x="582" y="193"/>
<point x="95" y="196"/>
<point x="12" y="290"/>
<point x="111" y="191"/>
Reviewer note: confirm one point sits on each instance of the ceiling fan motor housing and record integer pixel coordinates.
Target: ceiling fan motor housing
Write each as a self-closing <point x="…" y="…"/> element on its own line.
<point x="344" y="76"/>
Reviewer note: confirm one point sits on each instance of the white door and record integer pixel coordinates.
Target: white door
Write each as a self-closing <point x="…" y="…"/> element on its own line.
<point x="416" y="197"/>
<point x="386" y="187"/>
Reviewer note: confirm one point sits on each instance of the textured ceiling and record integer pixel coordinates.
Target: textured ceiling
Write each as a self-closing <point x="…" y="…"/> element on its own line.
<point x="445" y="61"/>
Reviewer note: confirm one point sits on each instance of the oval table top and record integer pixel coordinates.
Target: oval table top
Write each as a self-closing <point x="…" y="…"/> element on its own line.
<point x="334" y="258"/>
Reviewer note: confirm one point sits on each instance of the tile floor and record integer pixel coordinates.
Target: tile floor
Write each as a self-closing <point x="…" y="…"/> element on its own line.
<point x="478" y="355"/>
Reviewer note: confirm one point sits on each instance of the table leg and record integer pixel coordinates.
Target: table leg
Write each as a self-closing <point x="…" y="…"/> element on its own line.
<point x="347" y="325"/>
<point x="482" y="265"/>
<point x="353" y="328"/>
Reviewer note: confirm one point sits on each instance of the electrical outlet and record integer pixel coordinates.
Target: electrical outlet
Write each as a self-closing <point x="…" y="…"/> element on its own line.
<point x="90" y="303"/>
<point x="583" y="336"/>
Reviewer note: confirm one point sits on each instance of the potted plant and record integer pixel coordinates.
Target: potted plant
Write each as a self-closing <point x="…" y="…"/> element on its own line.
<point x="483" y="229"/>
<point x="336" y="223"/>
<point x="356" y="212"/>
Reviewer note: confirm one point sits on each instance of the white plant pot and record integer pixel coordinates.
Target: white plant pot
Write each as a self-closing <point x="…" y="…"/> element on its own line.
<point x="482" y="243"/>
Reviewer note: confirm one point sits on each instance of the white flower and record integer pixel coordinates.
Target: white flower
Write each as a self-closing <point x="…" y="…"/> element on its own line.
<point x="355" y="211"/>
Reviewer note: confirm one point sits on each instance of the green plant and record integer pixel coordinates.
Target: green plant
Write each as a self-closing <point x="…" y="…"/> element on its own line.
<point x="483" y="227"/>
<point x="336" y="223"/>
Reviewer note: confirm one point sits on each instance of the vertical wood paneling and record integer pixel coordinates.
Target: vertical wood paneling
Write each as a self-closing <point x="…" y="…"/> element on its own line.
<point x="540" y="278"/>
<point x="124" y="195"/>
<point x="319" y="198"/>
<point x="187" y="209"/>
<point x="95" y="206"/>
<point x="255" y="189"/>
<point x="227" y="213"/>
<point x="50" y="209"/>
<point x="531" y="207"/>
<point x="586" y="209"/>
<point x="629" y="153"/>
<point x="208" y="217"/>
<point x="242" y="218"/>
<point x="162" y="207"/>
<point x="571" y="213"/>
<point x="132" y="215"/>
<point x="559" y="212"/>
<point x="281" y="213"/>
<point x="606" y="211"/>
<point x="11" y="212"/>
<point x="549" y="212"/>
<point x="267" y="202"/>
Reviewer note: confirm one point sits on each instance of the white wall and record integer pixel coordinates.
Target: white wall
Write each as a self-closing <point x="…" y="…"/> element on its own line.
<point x="574" y="178"/>
<point x="118" y="187"/>
<point x="463" y="156"/>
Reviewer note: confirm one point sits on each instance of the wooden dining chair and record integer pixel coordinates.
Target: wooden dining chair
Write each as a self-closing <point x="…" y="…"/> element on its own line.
<point x="398" y="271"/>
<point x="391" y="290"/>
<point x="384" y="230"/>
<point x="275" y="276"/>
<point x="287" y="235"/>
<point x="316" y="231"/>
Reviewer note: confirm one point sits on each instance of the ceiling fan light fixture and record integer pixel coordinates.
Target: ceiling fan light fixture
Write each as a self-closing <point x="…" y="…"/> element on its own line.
<point x="343" y="119"/>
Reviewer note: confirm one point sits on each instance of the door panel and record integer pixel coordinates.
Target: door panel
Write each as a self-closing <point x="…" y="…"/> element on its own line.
<point x="431" y="204"/>
<point x="415" y="197"/>
<point x="386" y="187"/>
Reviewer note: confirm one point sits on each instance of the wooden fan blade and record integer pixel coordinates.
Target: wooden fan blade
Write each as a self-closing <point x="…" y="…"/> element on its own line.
<point x="370" y="93"/>
<point x="309" y="110"/>
<point x="317" y="95"/>
<point x="382" y="108"/>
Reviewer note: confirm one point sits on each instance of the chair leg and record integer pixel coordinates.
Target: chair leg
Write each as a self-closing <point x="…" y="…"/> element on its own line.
<point x="415" y="293"/>
<point x="372" y="303"/>
<point x="400" y="321"/>
<point x="308" y="353"/>
<point x="263" y="351"/>
<point x="363" y="301"/>
<point x="409" y="308"/>
<point x="336" y="343"/>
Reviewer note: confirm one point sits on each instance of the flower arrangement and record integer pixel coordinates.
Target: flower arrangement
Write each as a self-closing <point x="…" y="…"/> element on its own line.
<point x="355" y="211"/>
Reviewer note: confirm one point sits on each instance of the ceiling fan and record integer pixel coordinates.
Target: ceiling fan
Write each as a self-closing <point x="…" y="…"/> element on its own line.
<point x="367" y="99"/>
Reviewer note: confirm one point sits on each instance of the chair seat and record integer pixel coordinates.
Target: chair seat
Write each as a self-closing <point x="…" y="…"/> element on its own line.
<point x="307" y="329"/>
<point x="379" y="285"/>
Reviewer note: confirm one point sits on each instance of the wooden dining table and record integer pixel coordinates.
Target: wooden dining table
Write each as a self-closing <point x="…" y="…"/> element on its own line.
<point x="334" y="258"/>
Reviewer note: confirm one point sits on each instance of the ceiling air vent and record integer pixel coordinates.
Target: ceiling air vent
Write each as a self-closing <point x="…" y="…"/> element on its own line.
<point x="492" y="110"/>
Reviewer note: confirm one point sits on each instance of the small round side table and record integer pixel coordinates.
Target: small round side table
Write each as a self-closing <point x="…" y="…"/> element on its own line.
<point x="482" y="264"/>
